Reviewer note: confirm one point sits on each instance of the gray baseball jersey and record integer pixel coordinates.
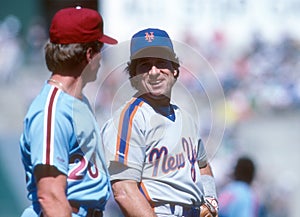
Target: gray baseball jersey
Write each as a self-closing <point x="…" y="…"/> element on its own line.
<point x="160" y="152"/>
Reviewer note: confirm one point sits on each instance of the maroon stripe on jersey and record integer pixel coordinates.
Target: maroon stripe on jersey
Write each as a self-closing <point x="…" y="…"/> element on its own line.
<point x="49" y="117"/>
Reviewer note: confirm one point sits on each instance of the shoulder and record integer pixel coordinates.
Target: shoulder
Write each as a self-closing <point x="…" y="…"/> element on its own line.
<point x="237" y="187"/>
<point x="133" y="112"/>
<point x="51" y="101"/>
<point x="135" y="108"/>
<point x="187" y="118"/>
<point x="52" y="96"/>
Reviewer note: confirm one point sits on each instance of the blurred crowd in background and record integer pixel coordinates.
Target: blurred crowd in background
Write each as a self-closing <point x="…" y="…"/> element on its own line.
<point x="260" y="78"/>
<point x="263" y="75"/>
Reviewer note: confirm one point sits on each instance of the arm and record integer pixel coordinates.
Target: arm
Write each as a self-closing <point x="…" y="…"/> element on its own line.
<point x="51" y="194"/>
<point x="208" y="181"/>
<point x="209" y="187"/>
<point x="130" y="199"/>
<point x="206" y="170"/>
<point x="206" y="178"/>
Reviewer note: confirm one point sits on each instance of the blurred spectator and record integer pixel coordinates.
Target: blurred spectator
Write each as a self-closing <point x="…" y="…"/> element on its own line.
<point x="238" y="198"/>
<point x="11" y="53"/>
<point x="36" y="38"/>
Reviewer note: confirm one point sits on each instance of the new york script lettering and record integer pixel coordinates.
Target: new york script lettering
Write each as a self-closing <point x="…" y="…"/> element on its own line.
<point x="161" y="159"/>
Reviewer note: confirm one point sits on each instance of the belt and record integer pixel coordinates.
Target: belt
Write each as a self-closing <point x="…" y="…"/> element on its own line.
<point x="91" y="212"/>
<point x="177" y="210"/>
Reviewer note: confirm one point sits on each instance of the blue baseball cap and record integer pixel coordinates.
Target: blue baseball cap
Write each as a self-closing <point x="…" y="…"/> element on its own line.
<point x="152" y="43"/>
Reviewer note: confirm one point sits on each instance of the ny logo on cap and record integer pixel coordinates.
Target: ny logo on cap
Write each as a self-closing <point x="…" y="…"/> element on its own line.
<point x="149" y="37"/>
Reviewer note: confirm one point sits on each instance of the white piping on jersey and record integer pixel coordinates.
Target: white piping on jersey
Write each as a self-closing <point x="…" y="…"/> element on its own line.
<point x="120" y="153"/>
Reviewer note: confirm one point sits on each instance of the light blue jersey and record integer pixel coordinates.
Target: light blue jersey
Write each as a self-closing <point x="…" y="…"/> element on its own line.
<point x="238" y="199"/>
<point x="61" y="131"/>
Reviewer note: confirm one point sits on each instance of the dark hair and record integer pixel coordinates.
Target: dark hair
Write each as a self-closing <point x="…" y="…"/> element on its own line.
<point x="67" y="56"/>
<point x="244" y="170"/>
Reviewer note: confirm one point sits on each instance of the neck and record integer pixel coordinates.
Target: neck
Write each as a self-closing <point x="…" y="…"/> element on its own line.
<point x="160" y="105"/>
<point x="156" y="102"/>
<point x="71" y="85"/>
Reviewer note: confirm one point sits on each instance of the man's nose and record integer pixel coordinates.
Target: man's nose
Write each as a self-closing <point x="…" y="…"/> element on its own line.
<point x="154" y="71"/>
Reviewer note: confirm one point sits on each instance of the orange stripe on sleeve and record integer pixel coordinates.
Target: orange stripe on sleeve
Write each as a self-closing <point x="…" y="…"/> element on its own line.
<point x="145" y="192"/>
<point x="119" y="135"/>
<point x="130" y="130"/>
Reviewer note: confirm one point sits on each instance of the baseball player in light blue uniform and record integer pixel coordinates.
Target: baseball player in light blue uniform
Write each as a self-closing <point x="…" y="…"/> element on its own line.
<point x="153" y="148"/>
<point x="238" y="198"/>
<point x="66" y="173"/>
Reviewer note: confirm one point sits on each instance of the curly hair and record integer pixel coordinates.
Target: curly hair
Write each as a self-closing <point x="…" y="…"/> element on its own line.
<point x="60" y="57"/>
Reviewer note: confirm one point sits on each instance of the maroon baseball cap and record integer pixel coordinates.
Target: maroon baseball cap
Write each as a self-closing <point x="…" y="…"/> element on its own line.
<point x="78" y="25"/>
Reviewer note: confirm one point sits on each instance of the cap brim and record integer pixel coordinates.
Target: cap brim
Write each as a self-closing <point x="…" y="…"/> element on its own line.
<point x="108" y="40"/>
<point x="155" y="52"/>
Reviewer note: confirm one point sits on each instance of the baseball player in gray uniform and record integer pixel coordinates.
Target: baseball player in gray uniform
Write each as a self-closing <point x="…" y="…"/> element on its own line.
<point x="156" y="159"/>
<point x="66" y="174"/>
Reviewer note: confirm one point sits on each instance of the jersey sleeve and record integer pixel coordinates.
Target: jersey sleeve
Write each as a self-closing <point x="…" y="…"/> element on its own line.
<point x="49" y="139"/>
<point x="125" y="143"/>
<point x="201" y="154"/>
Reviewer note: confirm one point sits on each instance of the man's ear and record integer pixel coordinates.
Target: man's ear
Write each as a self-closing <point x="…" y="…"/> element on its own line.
<point x="175" y="73"/>
<point x="89" y="54"/>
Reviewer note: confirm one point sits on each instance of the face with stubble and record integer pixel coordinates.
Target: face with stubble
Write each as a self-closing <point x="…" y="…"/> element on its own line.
<point x="156" y="77"/>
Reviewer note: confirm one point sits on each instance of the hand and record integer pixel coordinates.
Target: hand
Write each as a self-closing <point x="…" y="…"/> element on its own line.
<point x="209" y="208"/>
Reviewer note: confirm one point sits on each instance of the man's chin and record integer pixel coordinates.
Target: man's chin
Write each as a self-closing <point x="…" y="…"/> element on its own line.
<point x="156" y="95"/>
